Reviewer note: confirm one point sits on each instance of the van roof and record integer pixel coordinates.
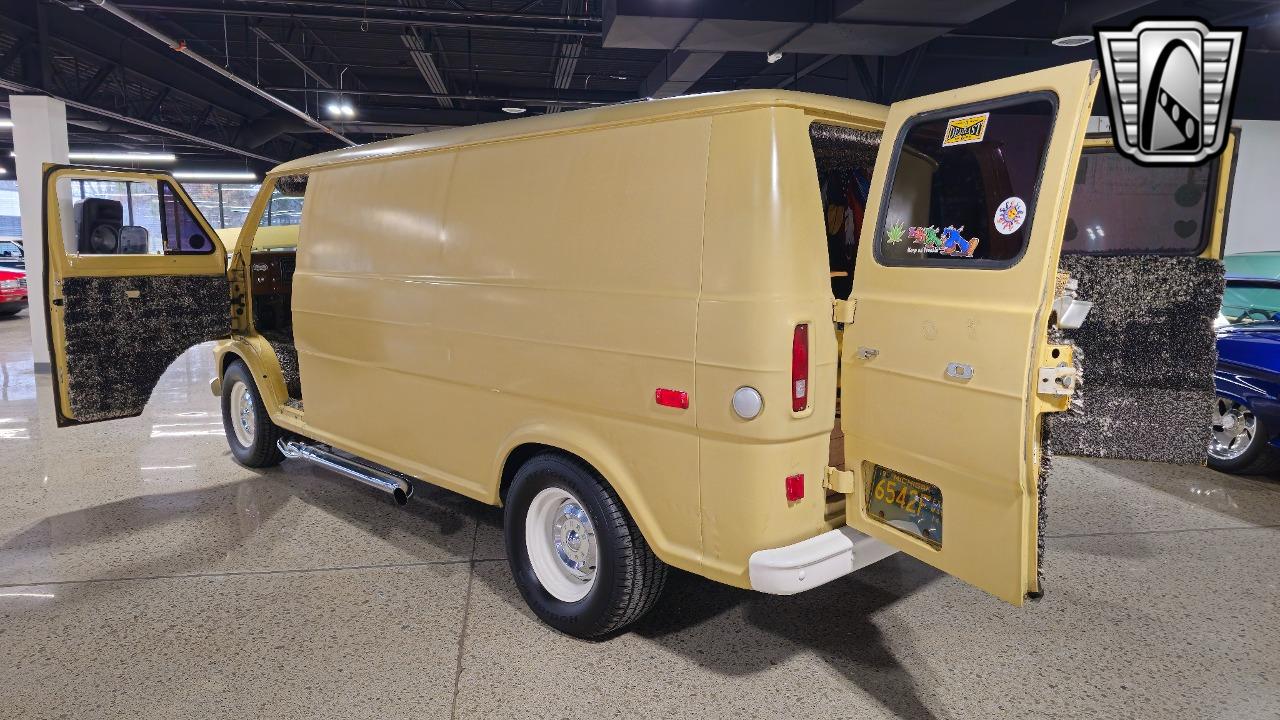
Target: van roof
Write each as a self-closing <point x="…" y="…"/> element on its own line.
<point x="623" y="113"/>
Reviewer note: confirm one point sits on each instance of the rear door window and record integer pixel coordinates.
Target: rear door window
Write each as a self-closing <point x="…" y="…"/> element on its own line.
<point x="964" y="186"/>
<point x="1119" y="207"/>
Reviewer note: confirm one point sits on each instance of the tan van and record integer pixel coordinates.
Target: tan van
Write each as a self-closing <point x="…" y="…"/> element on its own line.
<point x="767" y="337"/>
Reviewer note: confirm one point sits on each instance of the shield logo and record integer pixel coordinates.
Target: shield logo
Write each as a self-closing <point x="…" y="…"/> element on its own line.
<point x="1170" y="84"/>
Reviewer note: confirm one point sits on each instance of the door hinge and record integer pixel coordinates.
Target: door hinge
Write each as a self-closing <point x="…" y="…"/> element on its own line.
<point x="842" y="311"/>
<point x="841" y="481"/>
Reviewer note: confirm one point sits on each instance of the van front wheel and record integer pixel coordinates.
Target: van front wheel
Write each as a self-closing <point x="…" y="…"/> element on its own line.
<point x="578" y="558"/>
<point x="250" y="433"/>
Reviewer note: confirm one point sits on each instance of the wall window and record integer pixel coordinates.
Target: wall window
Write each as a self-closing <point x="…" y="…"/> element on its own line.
<point x="1119" y="206"/>
<point x="964" y="185"/>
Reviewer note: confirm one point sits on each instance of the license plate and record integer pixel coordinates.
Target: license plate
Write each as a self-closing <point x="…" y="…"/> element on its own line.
<point x="907" y="504"/>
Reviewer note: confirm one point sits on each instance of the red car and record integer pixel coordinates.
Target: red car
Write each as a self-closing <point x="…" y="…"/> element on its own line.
<point x="13" y="291"/>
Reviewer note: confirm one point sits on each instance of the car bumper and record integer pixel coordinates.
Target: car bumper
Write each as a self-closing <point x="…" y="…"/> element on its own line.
<point x="816" y="561"/>
<point x="11" y="304"/>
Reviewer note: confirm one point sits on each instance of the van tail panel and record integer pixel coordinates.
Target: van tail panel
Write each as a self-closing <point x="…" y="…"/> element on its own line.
<point x="134" y="276"/>
<point x="954" y="283"/>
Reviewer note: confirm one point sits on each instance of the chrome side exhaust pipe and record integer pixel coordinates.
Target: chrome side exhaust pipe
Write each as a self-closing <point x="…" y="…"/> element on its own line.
<point x="398" y="488"/>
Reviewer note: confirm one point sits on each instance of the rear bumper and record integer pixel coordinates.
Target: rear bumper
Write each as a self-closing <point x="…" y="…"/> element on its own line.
<point x="813" y="562"/>
<point x="12" y="304"/>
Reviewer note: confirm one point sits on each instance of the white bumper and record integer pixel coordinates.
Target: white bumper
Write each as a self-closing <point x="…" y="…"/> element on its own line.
<point x="813" y="562"/>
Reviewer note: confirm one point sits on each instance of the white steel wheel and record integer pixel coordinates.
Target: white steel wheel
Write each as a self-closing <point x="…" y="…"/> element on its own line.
<point x="242" y="415"/>
<point x="562" y="544"/>
<point x="1234" y="427"/>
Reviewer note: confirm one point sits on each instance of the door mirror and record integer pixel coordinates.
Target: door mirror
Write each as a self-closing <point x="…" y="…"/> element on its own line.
<point x="134" y="240"/>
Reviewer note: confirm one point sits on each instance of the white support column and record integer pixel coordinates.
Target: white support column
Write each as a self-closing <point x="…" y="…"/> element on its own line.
<point x="39" y="136"/>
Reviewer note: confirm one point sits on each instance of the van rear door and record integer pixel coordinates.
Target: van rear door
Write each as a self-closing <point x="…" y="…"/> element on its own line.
<point x="134" y="275"/>
<point x="947" y="366"/>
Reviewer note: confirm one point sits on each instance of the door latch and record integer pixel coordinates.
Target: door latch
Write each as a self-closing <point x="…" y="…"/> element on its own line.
<point x="866" y="353"/>
<point x="960" y="371"/>
<point x="1059" y="380"/>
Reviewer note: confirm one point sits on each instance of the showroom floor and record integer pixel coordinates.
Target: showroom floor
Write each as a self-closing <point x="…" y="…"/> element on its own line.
<point x="145" y="574"/>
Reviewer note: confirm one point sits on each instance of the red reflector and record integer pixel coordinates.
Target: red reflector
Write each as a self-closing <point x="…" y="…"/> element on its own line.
<point x="672" y="398"/>
<point x="795" y="488"/>
<point x="800" y="368"/>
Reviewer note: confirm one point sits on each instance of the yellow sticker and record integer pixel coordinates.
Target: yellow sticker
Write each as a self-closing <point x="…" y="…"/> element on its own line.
<point x="967" y="129"/>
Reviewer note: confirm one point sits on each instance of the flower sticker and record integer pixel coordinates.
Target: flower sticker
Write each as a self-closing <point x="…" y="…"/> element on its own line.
<point x="1010" y="215"/>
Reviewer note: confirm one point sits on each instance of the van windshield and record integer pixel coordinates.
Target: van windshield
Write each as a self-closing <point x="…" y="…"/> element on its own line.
<point x="964" y="186"/>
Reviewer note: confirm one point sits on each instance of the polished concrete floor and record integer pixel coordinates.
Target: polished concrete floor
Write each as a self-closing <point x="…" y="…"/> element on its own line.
<point x="143" y="574"/>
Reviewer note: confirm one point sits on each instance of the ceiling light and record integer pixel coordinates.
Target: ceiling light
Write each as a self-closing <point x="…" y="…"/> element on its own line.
<point x="513" y="110"/>
<point x="773" y="57"/>
<point x="334" y="108"/>
<point x="214" y="175"/>
<point x="6" y="122"/>
<point x="1073" y="40"/>
<point x="124" y="157"/>
<point x="347" y="110"/>
<point x="3" y="171"/>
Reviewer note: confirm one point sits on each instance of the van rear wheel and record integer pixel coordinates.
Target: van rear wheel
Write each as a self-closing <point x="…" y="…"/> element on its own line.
<point x="250" y="433"/>
<point x="577" y="556"/>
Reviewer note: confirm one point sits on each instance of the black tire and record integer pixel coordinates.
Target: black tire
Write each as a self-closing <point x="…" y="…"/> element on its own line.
<point x="261" y="451"/>
<point x="628" y="576"/>
<point x="1259" y="458"/>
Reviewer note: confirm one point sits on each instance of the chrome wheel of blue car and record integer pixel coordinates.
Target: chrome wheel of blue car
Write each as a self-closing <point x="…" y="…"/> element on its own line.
<point x="1234" y="429"/>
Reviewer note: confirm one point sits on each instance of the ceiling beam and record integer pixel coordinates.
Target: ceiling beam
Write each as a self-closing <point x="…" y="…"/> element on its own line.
<point x="162" y="129"/>
<point x="382" y="15"/>
<point x="287" y="55"/>
<point x="677" y="72"/>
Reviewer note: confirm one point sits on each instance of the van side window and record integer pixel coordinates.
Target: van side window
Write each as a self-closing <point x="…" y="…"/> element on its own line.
<point x="964" y="185"/>
<point x="845" y="158"/>
<point x="1121" y="207"/>
<point x="132" y="217"/>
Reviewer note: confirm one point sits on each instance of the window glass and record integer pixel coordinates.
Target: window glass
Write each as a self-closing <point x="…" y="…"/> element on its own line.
<point x="964" y="186"/>
<point x="10" y="249"/>
<point x="205" y="198"/>
<point x="283" y="209"/>
<point x="1119" y="206"/>
<point x="132" y="218"/>
<point x="1245" y="303"/>
<point x="236" y="201"/>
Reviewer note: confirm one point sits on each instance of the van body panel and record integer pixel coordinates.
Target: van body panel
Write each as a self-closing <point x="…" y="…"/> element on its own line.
<point x="445" y="302"/>
<point x="764" y="272"/>
<point x="976" y="439"/>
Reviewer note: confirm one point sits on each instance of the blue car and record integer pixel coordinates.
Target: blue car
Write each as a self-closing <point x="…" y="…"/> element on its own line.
<point x="1246" y="418"/>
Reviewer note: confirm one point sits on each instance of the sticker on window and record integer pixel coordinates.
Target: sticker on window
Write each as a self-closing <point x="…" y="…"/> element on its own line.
<point x="1010" y="215"/>
<point x="964" y="130"/>
<point x="949" y="241"/>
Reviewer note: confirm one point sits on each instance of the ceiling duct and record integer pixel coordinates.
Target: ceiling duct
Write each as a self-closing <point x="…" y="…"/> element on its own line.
<point x="845" y="27"/>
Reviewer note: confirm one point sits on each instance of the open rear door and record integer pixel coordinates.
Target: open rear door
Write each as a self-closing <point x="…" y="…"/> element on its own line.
<point x="948" y="366"/>
<point x="134" y="275"/>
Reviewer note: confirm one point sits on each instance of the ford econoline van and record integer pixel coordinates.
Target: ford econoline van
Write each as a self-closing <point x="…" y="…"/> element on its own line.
<point x="767" y="337"/>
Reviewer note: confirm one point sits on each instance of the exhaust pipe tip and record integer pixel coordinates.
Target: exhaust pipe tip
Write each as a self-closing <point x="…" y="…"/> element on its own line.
<point x="400" y="496"/>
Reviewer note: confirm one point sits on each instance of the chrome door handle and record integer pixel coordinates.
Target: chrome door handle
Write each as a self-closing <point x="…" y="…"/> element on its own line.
<point x="867" y="353"/>
<point x="960" y="371"/>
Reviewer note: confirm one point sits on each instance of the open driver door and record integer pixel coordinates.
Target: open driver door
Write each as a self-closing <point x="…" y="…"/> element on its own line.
<point x="134" y="276"/>
<point x="948" y="364"/>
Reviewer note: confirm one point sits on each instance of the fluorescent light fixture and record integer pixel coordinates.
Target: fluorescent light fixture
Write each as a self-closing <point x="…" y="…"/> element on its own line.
<point x="6" y="122"/>
<point x="1073" y="40"/>
<point x="214" y="175"/>
<point x="348" y="111"/>
<point x="513" y="110"/>
<point x="124" y="157"/>
<point x="773" y="57"/>
<point x="334" y="108"/>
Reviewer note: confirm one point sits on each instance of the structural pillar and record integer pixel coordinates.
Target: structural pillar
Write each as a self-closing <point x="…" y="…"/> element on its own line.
<point x="39" y="137"/>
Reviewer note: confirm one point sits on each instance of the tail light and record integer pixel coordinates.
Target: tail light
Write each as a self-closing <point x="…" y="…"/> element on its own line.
<point x="800" y="368"/>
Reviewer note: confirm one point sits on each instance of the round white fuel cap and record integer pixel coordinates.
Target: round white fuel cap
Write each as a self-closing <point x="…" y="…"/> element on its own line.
<point x="747" y="402"/>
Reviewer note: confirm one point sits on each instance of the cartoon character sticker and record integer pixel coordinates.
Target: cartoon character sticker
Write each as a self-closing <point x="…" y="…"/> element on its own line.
<point x="949" y="241"/>
<point x="1010" y="215"/>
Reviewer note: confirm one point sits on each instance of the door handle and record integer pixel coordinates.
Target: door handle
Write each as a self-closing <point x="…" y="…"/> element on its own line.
<point x="866" y="353"/>
<point x="960" y="371"/>
<point x="56" y="302"/>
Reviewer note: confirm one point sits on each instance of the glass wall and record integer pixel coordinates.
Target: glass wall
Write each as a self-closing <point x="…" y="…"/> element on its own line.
<point x="224" y="205"/>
